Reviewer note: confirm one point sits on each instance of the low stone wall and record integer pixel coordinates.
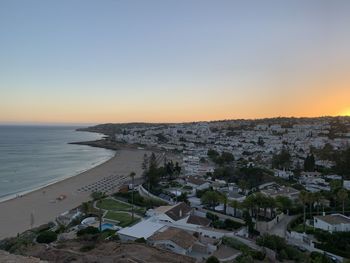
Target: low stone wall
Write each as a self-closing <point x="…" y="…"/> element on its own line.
<point x="144" y="193"/>
<point x="265" y="226"/>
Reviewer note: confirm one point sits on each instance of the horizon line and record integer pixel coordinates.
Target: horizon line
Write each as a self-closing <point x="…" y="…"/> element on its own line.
<point x="39" y="123"/>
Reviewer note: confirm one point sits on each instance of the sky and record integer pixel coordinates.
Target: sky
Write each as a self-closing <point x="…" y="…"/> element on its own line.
<point x="83" y="61"/>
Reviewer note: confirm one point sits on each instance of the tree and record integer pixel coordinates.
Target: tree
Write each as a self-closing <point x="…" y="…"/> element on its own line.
<point x="132" y="175"/>
<point x="254" y="202"/>
<point x="227" y="157"/>
<point x="311" y="200"/>
<point x="223" y="199"/>
<point x="343" y="163"/>
<point x="211" y="198"/>
<point x="235" y="205"/>
<point x="90" y="230"/>
<point x="169" y="169"/>
<point x="335" y="185"/>
<point x="342" y="196"/>
<point x="281" y="160"/>
<point x="212" y="259"/>
<point x="248" y="221"/>
<point x="177" y="168"/>
<point x="317" y="199"/>
<point x="152" y="175"/>
<point x="243" y="185"/>
<point x="212" y="154"/>
<point x="309" y="163"/>
<point x="284" y="203"/>
<point x="46" y="237"/>
<point x="182" y="198"/>
<point x="304" y="199"/>
<point x="85" y="208"/>
<point x="98" y="196"/>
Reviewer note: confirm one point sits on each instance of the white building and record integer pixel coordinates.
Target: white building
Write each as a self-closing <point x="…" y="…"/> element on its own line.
<point x="170" y="214"/>
<point x="197" y="183"/>
<point x="332" y="223"/>
<point x="346" y="184"/>
<point x="143" y="229"/>
<point x="283" y="174"/>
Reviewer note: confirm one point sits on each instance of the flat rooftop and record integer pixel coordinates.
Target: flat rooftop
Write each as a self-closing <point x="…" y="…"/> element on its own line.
<point x="143" y="229"/>
<point x="335" y="219"/>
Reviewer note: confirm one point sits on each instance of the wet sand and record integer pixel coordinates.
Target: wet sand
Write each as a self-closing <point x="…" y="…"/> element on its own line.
<point x="15" y="214"/>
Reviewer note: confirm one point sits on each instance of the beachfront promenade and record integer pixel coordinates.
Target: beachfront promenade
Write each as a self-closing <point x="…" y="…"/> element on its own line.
<point x="47" y="203"/>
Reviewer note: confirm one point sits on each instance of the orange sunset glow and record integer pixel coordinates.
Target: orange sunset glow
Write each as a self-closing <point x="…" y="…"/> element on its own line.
<point x="114" y="63"/>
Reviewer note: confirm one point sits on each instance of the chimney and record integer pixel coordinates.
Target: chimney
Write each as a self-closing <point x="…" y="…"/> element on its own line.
<point x="180" y="213"/>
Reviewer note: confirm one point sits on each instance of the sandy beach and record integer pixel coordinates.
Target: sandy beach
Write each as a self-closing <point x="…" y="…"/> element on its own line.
<point x="15" y="214"/>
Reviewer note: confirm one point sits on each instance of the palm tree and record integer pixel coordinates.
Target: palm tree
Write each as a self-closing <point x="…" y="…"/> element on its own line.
<point x="132" y="175"/>
<point x="85" y="208"/>
<point x="323" y="202"/>
<point x="243" y="185"/>
<point x="248" y="203"/>
<point x="311" y="200"/>
<point x="210" y="198"/>
<point x="317" y="198"/>
<point x="255" y="202"/>
<point x="304" y="199"/>
<point x="223" y="198"/>
<point x="98" y="196"/>
<point x="271" y="203"/>
<point x="234" y="204"/>
<point x="342" y="195"/>
<point x="284" y="203"/>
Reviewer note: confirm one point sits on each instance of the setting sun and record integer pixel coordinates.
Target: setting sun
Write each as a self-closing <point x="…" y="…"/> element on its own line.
<point x="345" y="112"/>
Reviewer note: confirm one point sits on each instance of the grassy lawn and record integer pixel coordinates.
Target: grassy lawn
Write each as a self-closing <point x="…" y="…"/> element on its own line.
<point x="123" y="218"/>
<point x="109" y="204"/>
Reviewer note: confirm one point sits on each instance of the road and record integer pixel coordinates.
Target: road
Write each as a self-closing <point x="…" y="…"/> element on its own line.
<point x="281" y="227"/>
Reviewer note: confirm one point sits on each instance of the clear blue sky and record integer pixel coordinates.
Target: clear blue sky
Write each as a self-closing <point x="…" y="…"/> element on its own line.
<point x="181" y="60"/>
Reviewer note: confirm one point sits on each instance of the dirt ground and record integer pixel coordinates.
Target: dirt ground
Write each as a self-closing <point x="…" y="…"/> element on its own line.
<point x="107" y="252"/>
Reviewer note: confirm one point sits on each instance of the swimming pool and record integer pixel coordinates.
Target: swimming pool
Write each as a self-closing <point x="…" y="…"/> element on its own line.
<point x="105" y="226"/>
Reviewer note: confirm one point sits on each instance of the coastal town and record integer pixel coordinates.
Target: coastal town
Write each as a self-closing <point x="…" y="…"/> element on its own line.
<point x="268" y="190"/>
<point x="175" y="131"/>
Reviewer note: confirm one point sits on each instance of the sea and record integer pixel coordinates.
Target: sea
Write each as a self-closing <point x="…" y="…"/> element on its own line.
<point x="32" y="157"/>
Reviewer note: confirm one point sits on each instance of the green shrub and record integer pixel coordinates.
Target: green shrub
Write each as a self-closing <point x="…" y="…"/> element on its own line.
<point x="280" y="246"/>
<point x="46" y="237"/>
<point x="212" y="216"/>
<point x="282" y="254"/>
<point x="43" y="227"/>
<point x="295" y="222"/>
<point x="244" y="259"/>
<point x="258" y="255"/>
<point x="218" y="224"/>
<point x="60" y="229"/>
<point x="140" y="240"/>
<point x="15" y="244"/>
<point x="212" y="259"/>
<point x="232" y="225"/>
<point x="90" y="230"/>
<point x="234" y="243"/>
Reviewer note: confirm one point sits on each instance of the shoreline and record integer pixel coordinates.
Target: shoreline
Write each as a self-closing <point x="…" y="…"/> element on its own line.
<point x="43" y="202"/>
<point x="52" y="182"/>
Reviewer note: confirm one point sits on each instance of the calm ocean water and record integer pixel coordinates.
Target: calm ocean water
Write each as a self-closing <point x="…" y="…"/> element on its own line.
<point x="34" y="156"/>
